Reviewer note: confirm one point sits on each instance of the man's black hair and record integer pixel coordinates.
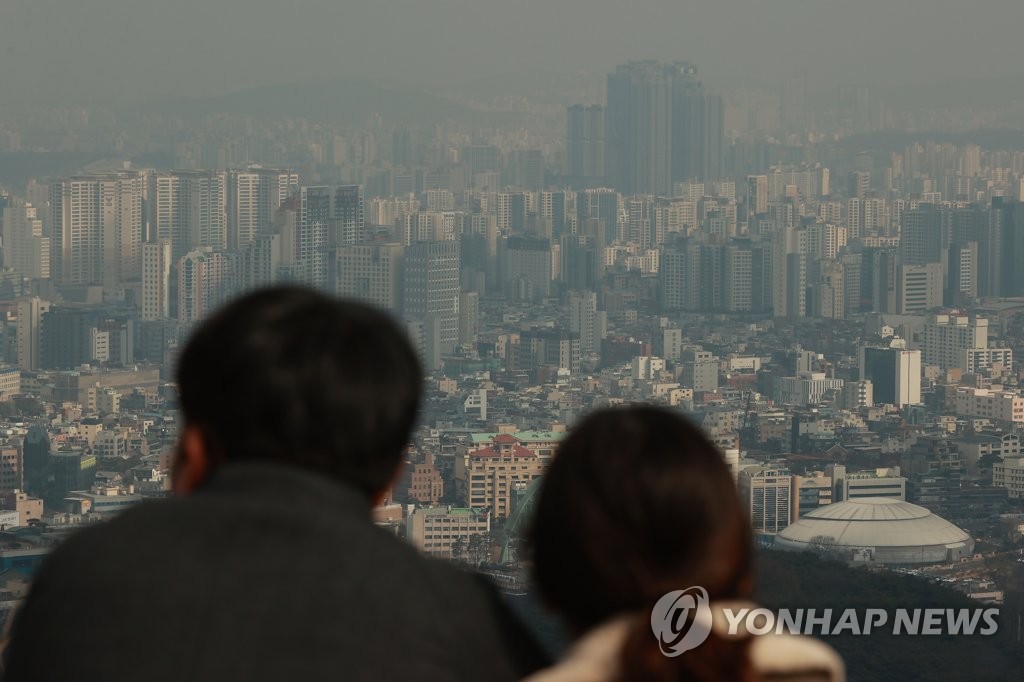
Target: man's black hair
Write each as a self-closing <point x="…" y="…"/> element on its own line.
<point x="291" y="375"/>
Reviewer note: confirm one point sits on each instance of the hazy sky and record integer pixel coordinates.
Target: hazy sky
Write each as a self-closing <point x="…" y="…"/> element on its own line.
<point x="140" y="49"/>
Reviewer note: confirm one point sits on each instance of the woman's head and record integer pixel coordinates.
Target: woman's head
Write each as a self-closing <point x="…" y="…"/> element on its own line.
<point x="637" y="503"/>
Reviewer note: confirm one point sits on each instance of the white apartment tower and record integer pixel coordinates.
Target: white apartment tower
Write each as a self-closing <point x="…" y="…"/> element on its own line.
<point x="26" y="250"/>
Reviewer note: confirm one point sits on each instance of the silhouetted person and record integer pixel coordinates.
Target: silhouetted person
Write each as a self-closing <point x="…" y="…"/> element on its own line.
<point x="638" y="503"/>
<point x="266" y="564"/>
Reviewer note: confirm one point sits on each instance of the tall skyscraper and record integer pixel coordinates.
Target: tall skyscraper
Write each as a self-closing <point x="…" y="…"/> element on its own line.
<point x="698" y="120"/>
<point x="584" y="146"/>
<point x="639" y="149"/>
<point x="96" y="224"/>
<point x="431" y="295"/>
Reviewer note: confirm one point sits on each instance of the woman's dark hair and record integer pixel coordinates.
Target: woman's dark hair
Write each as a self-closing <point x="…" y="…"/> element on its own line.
<point x="292" y="375"/>
<point x="638" y="503"/>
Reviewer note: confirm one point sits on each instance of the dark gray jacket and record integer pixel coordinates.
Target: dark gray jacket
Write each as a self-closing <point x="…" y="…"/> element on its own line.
<point x="266" y="573"/>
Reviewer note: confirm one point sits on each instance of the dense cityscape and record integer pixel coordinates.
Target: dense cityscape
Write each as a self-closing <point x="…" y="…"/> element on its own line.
<point x="838" y="305"/>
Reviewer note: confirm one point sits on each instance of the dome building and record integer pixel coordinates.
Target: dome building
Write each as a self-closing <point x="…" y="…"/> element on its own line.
<point x="877" y="530"/>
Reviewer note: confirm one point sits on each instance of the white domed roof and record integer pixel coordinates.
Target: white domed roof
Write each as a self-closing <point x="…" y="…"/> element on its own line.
<point x="872" y="522"/>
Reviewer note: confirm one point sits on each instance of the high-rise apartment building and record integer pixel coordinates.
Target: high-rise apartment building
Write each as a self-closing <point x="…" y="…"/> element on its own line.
<point x="25" y="249"/>
<point x="96" y="230"/>
<point x="188" y="209"/>
<point x="586" y="320"/>
<point x="206" y="279"/>
<point x="156" y="281"/>
<point x="253" y="197"/>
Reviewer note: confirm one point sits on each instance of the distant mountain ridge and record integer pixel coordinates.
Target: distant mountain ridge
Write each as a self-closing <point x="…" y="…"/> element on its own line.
<point x="353" y="101"/>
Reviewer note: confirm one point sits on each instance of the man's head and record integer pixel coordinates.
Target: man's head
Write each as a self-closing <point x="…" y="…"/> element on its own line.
<point x="293" y="376"/>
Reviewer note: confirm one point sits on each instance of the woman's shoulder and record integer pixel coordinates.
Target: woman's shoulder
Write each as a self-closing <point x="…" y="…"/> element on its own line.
<point x="795" y="657"/>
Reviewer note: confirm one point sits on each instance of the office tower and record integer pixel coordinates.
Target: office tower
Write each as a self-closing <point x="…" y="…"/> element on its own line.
<point x="757" y="195"/>
<point x="919" y="288"/>
<point x="921" y="236"/>
<point x="156" y="281"/>
<point x="586" y="320"/>
<point x="894" y="373"/>
<point x="206" y="279"/>
<point x="697" y="126"/>
<point x="431" y="295"/>
<point x="188" y="209"/>
<point x="253" y="197"/>
<point x="638" y="141"/>
<point x="789" y="272"/>
<point x="370" y="273"/>
<point x="25" y="250"/>
<point x="879" y="280"/>
<point x="526" y="267"/>
<point x="766" y="496"/>
<point x="29" y="331"/>
<point x="585" y="146"/>
<point x="96" y="224"/>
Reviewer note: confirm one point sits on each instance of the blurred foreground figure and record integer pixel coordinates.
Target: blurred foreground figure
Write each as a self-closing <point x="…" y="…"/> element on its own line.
<point x="639" y="512"/>
<point x="267" y="566"/>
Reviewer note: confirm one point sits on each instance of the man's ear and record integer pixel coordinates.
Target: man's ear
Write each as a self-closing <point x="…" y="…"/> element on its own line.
<point x="383" y="494"/>
<point x="191" y="461"/>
